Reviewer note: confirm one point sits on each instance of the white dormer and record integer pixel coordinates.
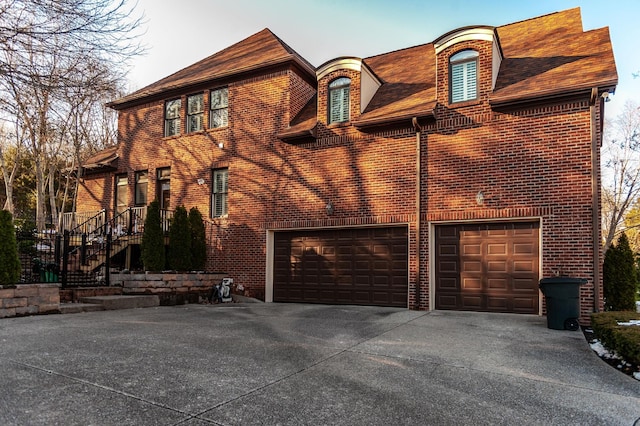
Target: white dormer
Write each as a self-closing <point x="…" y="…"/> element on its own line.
<point x="474" y="33"/>
<point x="369" y="83"/>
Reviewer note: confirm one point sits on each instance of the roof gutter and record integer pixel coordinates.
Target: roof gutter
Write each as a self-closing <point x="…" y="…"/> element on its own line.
<point x="386" y="120"/>
<point x="546" y="96"/>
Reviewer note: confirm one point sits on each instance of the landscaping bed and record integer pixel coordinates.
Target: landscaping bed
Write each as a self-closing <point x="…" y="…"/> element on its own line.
<point x="615" y="337"/>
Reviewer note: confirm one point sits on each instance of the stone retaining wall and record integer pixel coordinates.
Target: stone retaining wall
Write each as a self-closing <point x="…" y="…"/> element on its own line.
<point x="172" y="288"/>
<point x="29" y="299"/>
<point x="73" y="295"/>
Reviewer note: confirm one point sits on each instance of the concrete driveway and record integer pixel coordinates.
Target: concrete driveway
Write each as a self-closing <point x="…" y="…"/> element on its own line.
<point x="291" y="364"/>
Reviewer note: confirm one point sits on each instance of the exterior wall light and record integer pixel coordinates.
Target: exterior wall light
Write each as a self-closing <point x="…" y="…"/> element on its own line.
<point x="479" y="198"/>
<point x="220" y="145"/>
<point x="329" y="208"/>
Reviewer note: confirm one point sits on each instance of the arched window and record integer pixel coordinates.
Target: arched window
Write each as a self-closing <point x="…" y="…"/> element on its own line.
<point x="463" y="76"/>
<point x="339" y="100"/>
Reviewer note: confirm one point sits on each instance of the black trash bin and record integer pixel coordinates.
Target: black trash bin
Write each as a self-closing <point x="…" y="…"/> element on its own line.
<point x="562" y="295"/>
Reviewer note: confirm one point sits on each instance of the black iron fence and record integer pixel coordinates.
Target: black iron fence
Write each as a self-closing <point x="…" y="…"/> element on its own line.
<point x="85" y="254"/>
<point x="42" y="260"/>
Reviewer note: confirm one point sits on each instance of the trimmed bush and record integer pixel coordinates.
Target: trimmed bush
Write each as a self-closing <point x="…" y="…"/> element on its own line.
<point x="153" y="257"/>
<point x="619" y="277"/>
<point x="623" y="339"/>
<point x="198" y="239"/>
<point x="9" y="261"/>
<point x="180" y="241"/>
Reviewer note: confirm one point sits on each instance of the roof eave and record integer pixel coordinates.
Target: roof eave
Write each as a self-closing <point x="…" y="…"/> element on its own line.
<point x="297" y="135"/>
<point x="543" y="95"/>
<point x="393" y="120"/>
<point x="134" y="99"/>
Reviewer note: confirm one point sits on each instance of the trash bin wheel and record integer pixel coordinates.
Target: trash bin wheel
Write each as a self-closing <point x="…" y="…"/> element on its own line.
<point x="571" y="324"/>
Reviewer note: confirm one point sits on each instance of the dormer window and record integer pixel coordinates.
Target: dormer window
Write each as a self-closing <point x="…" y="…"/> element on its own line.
<point x="463" y="76"/>
<point x="339" y="91"/>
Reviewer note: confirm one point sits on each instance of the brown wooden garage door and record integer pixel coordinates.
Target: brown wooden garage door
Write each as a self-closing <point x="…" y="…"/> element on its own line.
<point x="491" y="267"/>
<point x="364" y="266"/>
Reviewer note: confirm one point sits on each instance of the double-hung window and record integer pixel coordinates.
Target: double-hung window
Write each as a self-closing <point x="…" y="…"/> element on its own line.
<point x="219" y="108"/>
<point x="142" y="183"/>
<point x="121" y="193"/>
<point x="172" y="117"/>
<point x="163" y="187"/>
<point x="195" y="111"/>
<point x="463" y="76"/>
<point x="339" y="91"/>
<point x="219" y="191"/>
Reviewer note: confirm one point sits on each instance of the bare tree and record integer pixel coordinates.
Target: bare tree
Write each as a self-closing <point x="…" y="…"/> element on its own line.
<point x="9" y="139"/>
<point x="621" y="171"/>
<point x="50" y="50"/>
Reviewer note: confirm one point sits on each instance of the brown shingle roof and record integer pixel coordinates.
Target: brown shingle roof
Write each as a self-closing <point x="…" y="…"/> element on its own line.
<point x="102" y="160"/>
<point x="304" y="124"/>
<point x="408" y="88"/>
<point x="545" y="56"/>
<point x="260" y="50"/>
<point x="551" y="55"/>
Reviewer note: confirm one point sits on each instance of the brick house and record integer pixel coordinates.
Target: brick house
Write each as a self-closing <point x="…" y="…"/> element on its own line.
<point x="449" y="175"/>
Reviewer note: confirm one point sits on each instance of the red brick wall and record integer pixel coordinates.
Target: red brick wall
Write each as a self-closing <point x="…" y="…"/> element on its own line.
<point x="530" y="163"/>
<point x="95" y="192"/>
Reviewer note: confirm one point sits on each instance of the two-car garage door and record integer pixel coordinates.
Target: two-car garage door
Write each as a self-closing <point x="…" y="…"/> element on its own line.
<point x="491" y="267"/>
<point x="360" y="266"/>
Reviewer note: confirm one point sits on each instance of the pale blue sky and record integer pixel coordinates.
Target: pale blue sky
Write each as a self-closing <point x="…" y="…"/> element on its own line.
<point x="181" y="33"/>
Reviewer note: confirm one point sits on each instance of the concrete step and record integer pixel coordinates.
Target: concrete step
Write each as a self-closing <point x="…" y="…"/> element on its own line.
<point x="76" y="308"/>
<point x="123" y="302"/>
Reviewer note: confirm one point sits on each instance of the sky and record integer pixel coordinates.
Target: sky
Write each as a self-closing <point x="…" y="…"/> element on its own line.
<point x="178" y="34"/>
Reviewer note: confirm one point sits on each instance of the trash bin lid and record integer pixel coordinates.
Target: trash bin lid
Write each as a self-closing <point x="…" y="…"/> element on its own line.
<point x="563" y="280"/>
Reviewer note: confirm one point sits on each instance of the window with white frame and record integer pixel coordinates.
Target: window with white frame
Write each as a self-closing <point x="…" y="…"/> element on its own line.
<point x="463" y="76"/>
<point x="219" y="108"/>
<point x="195" y="112"/>
<point x="219" y="189"/>
<point x="172" y="117"/>
<point x="339" y="91"/>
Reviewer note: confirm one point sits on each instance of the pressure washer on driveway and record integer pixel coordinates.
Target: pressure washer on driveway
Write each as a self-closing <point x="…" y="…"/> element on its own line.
<point x="221" y="292"/>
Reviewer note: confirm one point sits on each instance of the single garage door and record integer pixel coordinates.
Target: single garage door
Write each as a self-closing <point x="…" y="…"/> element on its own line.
<point x="363" y="266"/>
<point x="491" y="267"/>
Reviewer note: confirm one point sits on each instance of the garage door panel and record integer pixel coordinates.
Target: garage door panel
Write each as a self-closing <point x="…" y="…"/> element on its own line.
<point x="367" y="266"/>
<point x="471" y="249"/>
<point x="497" y="284"/>
<point x="498" y="249"/>
<point x="448" y="302"/>
<point x="525" y="304"/>
<point x="471" y="266"/>
<point x="497" y="303"/>
<point x="526" y="249"/>
<point x="498" y="267"/>
<point x="524" y="266"/>
<point x="471" y="283"/>
<point x="471" y="302"/>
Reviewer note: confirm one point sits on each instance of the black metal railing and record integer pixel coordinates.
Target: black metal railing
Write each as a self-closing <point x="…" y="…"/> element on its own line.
<point x="83" y="255"/>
